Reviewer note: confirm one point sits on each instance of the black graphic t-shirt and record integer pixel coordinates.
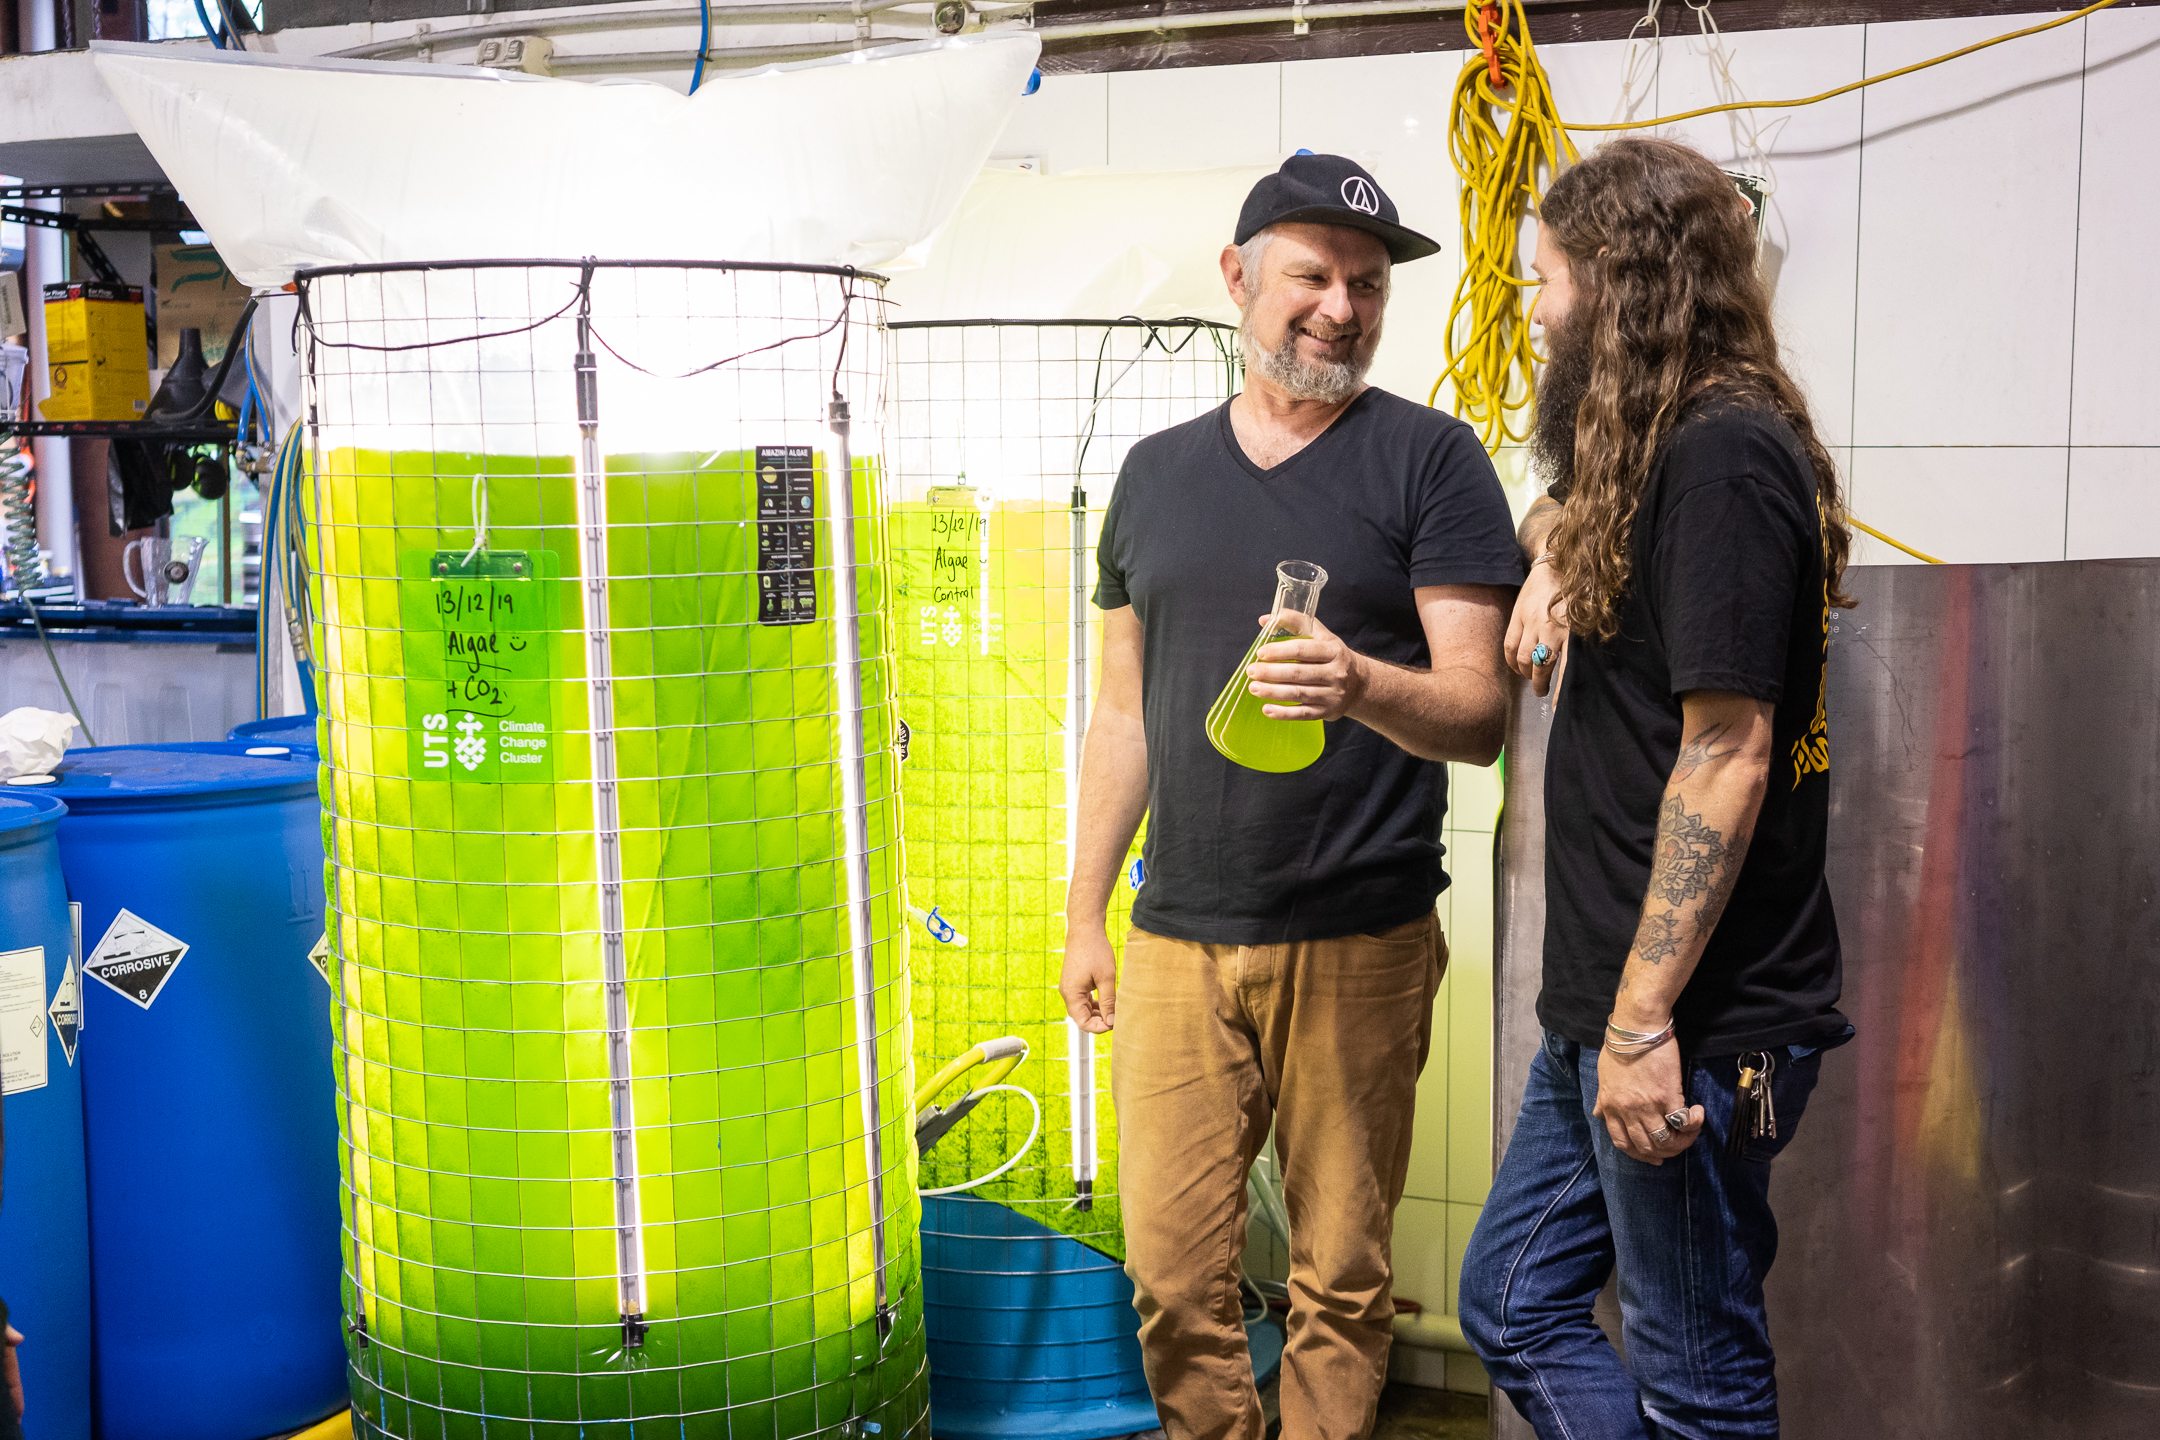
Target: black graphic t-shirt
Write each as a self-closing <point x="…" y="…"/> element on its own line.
<point x="1728" y="594"/>
<point x="1391" y="497"/>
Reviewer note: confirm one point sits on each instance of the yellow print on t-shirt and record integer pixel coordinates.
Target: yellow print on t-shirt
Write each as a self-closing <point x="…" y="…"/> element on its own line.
<point x="1811" y="752"/>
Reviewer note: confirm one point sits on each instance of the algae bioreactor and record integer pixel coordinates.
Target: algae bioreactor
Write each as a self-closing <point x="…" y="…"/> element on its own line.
<point x="614" y="881"/>
<point x="1007" y="437"/>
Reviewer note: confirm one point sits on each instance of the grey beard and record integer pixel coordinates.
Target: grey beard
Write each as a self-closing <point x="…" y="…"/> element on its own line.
<point x="1328" y="381"/>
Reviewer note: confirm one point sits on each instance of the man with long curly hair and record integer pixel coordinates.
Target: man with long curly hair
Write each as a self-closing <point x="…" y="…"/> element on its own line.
<point x="1684" y="566"/>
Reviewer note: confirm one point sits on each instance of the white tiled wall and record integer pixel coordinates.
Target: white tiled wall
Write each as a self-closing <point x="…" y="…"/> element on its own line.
<point x="1960" y="256"/>
<point x="1962" y="266"/>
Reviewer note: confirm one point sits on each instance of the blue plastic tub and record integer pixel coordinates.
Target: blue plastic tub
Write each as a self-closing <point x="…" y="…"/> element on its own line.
<point x="44" y="1231"/>
<point x="296" y="732"/>
<point x="1033" y="1334"/>
<point x="208" y="1107"/>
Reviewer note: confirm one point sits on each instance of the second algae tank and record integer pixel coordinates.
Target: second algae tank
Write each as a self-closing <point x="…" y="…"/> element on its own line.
<point x="1007" y="437"/>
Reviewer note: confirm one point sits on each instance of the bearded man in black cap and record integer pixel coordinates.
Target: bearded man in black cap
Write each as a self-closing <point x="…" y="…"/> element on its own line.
<point x="1285" y="951"/>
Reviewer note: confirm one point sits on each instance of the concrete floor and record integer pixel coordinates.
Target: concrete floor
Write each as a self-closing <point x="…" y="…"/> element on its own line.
<point x="1410" y="1413"/>
<point x="1407" y="1412"/>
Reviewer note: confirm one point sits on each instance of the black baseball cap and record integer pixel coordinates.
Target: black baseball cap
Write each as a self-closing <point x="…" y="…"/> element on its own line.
<point x="1330" y="190"/>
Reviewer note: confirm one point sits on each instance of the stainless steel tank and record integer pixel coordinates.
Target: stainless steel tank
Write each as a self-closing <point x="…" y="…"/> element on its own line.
<point x="1971" y="1211"/>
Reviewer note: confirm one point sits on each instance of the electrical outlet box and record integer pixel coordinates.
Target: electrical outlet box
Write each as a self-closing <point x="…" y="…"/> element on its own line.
<point x="98" y="351"/>
<point x="532" y="54"/>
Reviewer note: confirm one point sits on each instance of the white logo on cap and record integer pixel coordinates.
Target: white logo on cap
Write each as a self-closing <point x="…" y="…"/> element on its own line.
<point x="1358" y="193"/>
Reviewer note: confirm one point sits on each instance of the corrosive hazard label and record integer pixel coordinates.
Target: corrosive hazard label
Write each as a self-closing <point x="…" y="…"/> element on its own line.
<point x="135" y="958"/>
<point x="66" y="1009"/>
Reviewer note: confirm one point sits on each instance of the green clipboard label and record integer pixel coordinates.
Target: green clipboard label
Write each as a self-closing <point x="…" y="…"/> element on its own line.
<point x="478" y="706"/>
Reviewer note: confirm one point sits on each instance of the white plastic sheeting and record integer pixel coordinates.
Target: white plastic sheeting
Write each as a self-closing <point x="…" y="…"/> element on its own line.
<point x="851" y="161"/>
<point x="1084" y="246"/>
<point x="32" y="741"/>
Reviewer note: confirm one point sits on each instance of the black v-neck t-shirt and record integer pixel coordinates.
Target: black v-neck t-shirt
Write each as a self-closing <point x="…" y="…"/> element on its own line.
<point x="1728" y="593"/>
<point x="1390" y="497"/>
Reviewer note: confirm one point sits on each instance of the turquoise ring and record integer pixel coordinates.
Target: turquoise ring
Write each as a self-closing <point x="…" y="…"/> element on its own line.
<point x="1542" y="655"/>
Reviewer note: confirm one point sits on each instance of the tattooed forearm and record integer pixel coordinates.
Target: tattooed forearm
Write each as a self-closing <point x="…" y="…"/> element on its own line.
<point x="1658" y="938"/>
<point x="1666" y="930"/>
<point x="1721" y="888"/>
<point x="1712" y="742"/>
<point x="1701" y="844"/>
<point x="1689" y="854"/>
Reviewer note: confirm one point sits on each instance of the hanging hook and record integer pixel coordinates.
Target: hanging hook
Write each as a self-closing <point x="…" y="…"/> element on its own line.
<point x="1490" y="29"/>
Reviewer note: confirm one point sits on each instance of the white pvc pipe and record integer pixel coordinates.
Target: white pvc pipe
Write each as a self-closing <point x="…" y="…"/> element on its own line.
<point x="811" y="13"/>
<point x="1273" y="14"/>
<point x="840" y="13"/>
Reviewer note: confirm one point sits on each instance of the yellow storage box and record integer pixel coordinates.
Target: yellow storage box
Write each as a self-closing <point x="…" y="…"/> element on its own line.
<point x="98" y="350"/>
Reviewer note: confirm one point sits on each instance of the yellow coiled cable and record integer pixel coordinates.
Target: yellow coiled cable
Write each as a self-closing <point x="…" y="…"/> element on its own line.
<point x="1489" y="358"/>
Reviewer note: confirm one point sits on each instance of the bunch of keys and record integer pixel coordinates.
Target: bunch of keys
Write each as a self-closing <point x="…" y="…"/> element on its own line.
<point x="1754" y="1114"/>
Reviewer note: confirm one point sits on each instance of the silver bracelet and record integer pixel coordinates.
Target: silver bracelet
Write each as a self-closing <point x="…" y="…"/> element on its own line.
<point x="1635" y="1042"/>
<point x="1548" y="555"/>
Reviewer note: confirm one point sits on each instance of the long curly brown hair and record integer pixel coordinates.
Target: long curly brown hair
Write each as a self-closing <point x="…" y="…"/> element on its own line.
<point x="1662" y="253"/>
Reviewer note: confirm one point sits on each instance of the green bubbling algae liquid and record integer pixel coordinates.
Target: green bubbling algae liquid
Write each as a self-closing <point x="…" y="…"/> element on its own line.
<point x="474" y="1081"/>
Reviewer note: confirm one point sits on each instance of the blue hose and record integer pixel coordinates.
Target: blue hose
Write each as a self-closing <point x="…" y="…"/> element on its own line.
<point x="203" y="14"/>
<point x="704" y="40"/>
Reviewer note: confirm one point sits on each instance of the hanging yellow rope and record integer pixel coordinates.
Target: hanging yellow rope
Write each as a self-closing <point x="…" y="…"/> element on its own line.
<point x="1489" y="359"/>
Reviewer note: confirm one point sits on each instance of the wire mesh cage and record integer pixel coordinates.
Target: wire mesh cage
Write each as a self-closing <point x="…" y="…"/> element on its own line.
<point x="1007" y="436"/>
<point x="621" y="997"/>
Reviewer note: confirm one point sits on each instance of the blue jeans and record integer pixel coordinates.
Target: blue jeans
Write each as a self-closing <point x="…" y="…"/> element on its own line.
<point x="1692" y="1240"/>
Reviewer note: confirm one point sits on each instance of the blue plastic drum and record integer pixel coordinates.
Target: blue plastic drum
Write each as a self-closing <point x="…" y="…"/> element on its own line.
<point x="1032" y="1334"/>
<point x="295" y="732"/>
<point x="208" y="1107"/>
<point x="44" y="1232"/>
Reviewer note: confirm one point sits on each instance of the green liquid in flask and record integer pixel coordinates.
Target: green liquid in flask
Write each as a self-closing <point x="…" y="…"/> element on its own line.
<point x="1243" y="734"/>
<point x="1236" y="727"/>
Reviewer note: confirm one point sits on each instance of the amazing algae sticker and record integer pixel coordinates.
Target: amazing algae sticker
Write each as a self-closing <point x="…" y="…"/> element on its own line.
<point x="478" y="706"/>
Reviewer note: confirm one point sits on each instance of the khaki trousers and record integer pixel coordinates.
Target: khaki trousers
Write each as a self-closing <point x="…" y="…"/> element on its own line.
<point x="1327" y="1039"/>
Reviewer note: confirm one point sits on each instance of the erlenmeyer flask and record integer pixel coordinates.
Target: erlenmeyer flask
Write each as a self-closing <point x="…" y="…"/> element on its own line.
<point x="1235" y="725"/>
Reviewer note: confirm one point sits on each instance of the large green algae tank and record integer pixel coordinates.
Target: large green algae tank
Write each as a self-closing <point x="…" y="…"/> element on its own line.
<point x="620" y="975"/>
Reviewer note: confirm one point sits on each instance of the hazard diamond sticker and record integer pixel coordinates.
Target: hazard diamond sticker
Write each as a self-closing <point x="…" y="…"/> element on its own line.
<point x="135" y="958"/>
<point x="319" y="956"/>
<point x="66" y="1010"/>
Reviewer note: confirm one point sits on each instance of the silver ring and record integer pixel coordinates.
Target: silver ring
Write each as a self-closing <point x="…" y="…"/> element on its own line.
<point x="1678" y="1119"/>
<point x="1660" y="1135"/>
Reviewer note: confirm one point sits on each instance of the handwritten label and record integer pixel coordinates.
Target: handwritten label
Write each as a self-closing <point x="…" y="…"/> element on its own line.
<point x="478" y="706"/>
<point x="945" y="554"/>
